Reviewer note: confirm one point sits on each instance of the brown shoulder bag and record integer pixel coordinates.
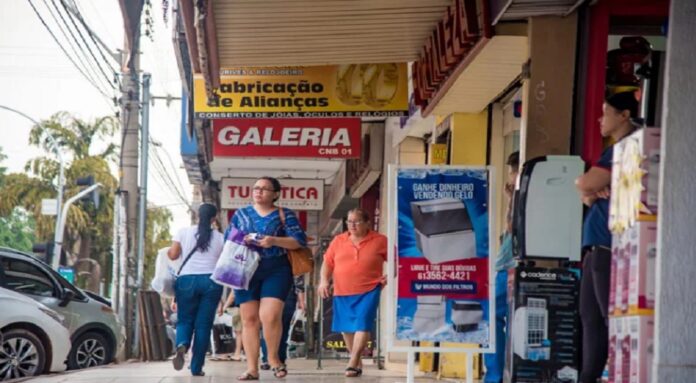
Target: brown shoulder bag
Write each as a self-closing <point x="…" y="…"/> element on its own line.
<point x="301" y="260"/>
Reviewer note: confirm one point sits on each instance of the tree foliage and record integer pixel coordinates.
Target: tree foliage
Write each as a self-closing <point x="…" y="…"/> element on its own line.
<point x="89" y="229"/>
<point x="156" y="236"/>
<point x="17" y="230"/>
<point x="3" y="169"/>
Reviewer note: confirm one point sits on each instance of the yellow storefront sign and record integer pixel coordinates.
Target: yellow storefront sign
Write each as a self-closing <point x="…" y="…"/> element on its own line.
<point x="437" y="154"/>
<point x="354" y="90"/>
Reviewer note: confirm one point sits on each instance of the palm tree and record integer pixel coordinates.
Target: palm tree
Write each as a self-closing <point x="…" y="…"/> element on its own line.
<point x="88" y="229"/>
<point x="76" y="136"/>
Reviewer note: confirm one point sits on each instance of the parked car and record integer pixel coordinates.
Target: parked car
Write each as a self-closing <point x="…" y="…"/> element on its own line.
<point x="96" y="333"/>
<point x="33" y="338"/>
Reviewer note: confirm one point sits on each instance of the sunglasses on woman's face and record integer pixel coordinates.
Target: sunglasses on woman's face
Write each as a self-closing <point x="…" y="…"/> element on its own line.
<point x="353" y="223"/>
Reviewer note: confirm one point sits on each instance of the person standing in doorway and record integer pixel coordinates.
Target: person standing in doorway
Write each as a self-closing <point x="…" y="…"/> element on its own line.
<point x="197" y="296"/>
<point x="262" y="303"/>
<point x="495" y="363"/>
<point x="355" y="259"/>
<point x="618" y="110"/>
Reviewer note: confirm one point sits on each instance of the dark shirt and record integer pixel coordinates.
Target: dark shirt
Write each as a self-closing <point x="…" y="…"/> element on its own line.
<point x="595" y="230"/>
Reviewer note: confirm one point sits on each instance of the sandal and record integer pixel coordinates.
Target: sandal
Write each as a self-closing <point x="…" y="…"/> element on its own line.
<point x="280" y="372"/>
<point x="247" y="376"/>
<point x="353" y="372"/>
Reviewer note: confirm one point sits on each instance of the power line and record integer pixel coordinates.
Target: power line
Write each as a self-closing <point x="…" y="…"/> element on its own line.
<point x="70" y="42"/>
<point x="162" y="168"/>
<point x="74" y="39"/>
<point x="165" y="180"/>
<point x="89" y="49"/>
<point x="98" y="43"/>
<point x="64" y="51"/>
<point x="171" y="163"/>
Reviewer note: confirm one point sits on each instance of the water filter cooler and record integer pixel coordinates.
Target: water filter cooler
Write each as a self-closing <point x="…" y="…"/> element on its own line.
<point x="530" y="329"/>
<point x="547" y="214"/>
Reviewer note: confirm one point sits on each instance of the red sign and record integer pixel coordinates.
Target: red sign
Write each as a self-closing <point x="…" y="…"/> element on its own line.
<point x="462" y="279"/>
<point x="464" y="24"/>
<point x="287" y="137"/>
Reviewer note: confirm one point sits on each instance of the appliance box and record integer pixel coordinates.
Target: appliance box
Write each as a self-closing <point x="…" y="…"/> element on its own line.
<point x="612" y="279"/>
<point x="611" y="361"/>
<point x="620" y="278"/>
<point x="641" y="329"/>
<point x="544" y="325"/>
<point x="444" y="231"/>
<point x="642" y="241"/>
<point x="616" y="331"/>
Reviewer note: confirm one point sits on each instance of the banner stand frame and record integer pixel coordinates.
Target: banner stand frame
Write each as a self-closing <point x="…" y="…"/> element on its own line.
<point x="392" y="226"/>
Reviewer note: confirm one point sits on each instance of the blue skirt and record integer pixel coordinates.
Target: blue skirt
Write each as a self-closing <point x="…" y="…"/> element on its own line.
<point x="353" y="313"/>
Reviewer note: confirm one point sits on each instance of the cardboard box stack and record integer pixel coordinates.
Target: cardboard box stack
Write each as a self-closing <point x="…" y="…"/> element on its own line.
<point x="633" y="221"/>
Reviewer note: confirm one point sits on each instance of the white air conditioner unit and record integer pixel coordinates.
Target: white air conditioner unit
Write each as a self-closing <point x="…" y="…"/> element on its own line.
<point x="530" y="329"/>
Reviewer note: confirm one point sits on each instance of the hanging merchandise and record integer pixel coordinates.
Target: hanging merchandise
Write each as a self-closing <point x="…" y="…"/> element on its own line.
<point x="633" y="221"/>
<point x="634" y="51"/>
<point x="547" y="217"/>
<point x="635" y="178"/>
<point x="544" y="324"/>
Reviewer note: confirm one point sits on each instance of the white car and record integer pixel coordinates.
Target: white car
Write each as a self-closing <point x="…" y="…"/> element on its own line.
<point x="96" y="332"/>
<point x="33" y="338"/>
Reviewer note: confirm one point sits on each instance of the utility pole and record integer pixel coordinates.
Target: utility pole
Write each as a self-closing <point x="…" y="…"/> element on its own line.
<point x="129" y="187"/>
<point x="142" y="202"/>
<point x="130" y="114"/>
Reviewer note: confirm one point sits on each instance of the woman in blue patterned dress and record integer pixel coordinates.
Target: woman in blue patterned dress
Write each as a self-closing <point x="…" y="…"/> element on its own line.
<point x="261" y="305"/>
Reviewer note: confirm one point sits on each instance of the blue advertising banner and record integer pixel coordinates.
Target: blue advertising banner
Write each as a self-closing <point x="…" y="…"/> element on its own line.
<point x="442" y="253"/>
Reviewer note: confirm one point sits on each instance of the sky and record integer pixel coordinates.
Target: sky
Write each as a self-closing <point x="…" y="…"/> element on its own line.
<point x="38" y="79"/>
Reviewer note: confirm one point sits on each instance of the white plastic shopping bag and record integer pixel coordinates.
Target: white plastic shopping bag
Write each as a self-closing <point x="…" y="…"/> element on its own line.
<point x="296" y="335"/>
<point x="237" y="263"/>
<point x="165" y="273"/>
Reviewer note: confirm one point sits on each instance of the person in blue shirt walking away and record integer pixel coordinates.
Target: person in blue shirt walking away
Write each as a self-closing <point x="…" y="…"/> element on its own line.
<point x="593" y="186"/>
<point x="197" y="296"/>
<point x="495" y="363"/>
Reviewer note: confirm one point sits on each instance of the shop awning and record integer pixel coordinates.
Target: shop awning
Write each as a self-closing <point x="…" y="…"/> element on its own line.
<point x="222" y="167"/>
<point x="319" y="32"/>
<point x="505" y="10"/>
<point x="486" y="73"/>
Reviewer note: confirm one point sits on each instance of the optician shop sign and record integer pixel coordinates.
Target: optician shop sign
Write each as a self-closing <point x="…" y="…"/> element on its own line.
<point x="287" y="137"/>
<point x="298" y="194"/>
<point x="350" y="90"/>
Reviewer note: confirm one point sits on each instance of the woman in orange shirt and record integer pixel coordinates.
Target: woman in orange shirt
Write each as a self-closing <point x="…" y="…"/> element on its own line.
<point x="355" y="259"/>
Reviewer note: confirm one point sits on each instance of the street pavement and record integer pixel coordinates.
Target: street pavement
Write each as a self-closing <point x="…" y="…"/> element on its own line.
<point x="300" y="371"/>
